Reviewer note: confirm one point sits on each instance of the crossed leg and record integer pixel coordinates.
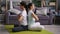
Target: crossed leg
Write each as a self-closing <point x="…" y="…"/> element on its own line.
<point x="35" y="26"/>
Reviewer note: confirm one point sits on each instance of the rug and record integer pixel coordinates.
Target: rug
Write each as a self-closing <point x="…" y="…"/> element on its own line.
<point x="9" y="28"/>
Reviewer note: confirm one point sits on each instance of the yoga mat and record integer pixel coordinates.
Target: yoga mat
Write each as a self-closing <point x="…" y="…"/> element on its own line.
<point x="9" y="28"/>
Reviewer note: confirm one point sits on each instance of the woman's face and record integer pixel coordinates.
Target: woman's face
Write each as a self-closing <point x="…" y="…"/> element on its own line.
<point x="33" y="6"/>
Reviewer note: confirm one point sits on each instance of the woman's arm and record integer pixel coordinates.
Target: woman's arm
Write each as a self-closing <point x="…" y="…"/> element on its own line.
<point x="35" y="16"/>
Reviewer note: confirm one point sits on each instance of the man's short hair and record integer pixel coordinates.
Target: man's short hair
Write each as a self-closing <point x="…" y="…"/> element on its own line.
<point x="23" y="3"/>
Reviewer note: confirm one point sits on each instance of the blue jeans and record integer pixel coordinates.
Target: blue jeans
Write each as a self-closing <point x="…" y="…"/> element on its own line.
<point x="17" y="24"/>
<point x="20" y="28"/>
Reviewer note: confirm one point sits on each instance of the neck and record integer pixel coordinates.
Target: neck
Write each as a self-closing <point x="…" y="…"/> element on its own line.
<point x="23" y="9"/>
<point x="30" y="9"/>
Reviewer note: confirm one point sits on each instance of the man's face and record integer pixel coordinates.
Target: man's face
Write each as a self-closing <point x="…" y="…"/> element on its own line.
<point x="22" y="7"/>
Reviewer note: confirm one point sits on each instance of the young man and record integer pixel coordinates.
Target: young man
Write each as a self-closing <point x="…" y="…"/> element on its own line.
<point x="22" y="18"/>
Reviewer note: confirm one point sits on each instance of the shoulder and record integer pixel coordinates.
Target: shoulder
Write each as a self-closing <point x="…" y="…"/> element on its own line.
<point x="30" y="11"/>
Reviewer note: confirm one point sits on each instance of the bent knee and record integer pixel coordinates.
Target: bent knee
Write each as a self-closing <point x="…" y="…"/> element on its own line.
<point x="35" y="28"/>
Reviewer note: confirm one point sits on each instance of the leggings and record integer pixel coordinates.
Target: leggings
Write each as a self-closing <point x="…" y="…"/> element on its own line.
<point x="35" y="26"/>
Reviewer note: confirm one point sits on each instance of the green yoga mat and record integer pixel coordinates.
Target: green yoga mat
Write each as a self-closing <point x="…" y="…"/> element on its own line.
<point x="9" y="28"/>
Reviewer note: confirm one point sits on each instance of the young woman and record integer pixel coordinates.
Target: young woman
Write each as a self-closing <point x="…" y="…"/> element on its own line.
<point x="22" y="18"/>
<point x="32" y="25"/>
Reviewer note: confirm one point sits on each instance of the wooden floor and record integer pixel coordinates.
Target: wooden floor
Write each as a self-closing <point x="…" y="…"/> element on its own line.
<point x="53" y="28"/>
<point x="3" y="30"/>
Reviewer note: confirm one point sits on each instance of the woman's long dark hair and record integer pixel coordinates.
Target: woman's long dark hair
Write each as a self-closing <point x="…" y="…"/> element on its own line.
<point x="29" y="5"/>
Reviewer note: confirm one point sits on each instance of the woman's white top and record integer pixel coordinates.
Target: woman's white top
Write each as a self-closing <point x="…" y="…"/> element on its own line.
<point x="31" y="20"/>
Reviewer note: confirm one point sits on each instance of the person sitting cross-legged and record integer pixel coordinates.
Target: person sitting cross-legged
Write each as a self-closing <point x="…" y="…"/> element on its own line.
<point x="32" y="25"/>
<point x="22" y="18"/>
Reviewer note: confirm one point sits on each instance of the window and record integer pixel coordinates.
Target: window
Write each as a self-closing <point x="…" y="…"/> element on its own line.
<point x="12" y="4"/>
<point x="2" y="6"/>
<point x="37" y="3"/>
<point x="52" y="0"/>
<point x="16" y="3"/>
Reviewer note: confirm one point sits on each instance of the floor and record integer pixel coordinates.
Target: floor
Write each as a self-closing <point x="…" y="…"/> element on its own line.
<point x="3" y="30"/>
<point x="52" y="28"/>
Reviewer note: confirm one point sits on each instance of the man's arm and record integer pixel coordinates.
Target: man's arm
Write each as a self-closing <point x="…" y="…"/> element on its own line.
<point x="20" y="18"/>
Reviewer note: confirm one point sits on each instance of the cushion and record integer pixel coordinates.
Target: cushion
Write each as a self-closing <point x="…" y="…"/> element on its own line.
<point x="42" y="11"/>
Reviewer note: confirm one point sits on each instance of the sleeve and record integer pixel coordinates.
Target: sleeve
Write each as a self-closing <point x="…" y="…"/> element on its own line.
<point x="23" y="13"/>
<point x="31" y="12"/>
<point x="15" y="11"/>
